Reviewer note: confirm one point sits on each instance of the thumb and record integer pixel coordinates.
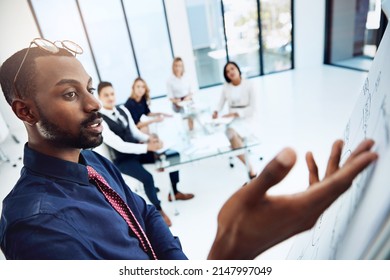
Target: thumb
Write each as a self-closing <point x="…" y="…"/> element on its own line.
<point x="274" y="171"/>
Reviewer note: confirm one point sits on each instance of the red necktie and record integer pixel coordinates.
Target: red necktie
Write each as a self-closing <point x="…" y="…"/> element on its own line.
<point x="123" y="209"/>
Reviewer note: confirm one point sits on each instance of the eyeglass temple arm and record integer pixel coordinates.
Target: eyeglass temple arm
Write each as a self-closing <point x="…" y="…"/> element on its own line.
<point x="21" y="64"/>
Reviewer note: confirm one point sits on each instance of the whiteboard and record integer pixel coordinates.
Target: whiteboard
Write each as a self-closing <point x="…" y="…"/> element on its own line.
<point x="357" y="225"/>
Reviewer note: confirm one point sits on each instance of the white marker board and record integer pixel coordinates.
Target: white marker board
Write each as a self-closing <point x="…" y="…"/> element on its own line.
<point x="357" y="225"/>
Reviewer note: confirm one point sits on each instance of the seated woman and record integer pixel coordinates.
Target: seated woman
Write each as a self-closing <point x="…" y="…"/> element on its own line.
<point x="179" y="88"/>
<point x="239" y="94"/>
<point x="138" y="105"/>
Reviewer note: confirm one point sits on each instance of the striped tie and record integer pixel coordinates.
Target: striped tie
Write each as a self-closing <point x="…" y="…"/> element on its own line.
<point x="123" y="209"/>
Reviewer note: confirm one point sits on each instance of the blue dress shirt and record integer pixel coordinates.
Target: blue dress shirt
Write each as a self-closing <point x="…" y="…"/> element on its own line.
<point x="54" y="212"/>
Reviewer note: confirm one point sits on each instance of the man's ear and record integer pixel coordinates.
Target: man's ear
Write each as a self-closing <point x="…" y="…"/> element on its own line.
<point x="24" y="110"/>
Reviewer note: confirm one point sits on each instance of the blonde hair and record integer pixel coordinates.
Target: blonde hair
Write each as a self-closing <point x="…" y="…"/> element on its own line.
<point x="177" y="59"/>
<point x="147" y="90"/>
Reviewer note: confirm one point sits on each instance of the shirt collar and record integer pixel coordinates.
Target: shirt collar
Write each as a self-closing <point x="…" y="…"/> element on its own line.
<point x="109" y="113"/>
<point x="54" y="167"/>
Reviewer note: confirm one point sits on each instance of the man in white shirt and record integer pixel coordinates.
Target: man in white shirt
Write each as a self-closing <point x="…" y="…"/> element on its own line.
<point x="131" y="147"/>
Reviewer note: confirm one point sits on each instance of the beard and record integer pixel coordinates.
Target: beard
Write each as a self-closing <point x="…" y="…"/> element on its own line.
<point x="62" y="138"/>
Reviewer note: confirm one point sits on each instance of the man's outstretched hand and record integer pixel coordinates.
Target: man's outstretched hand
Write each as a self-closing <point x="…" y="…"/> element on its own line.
<point x="251" y="221"/>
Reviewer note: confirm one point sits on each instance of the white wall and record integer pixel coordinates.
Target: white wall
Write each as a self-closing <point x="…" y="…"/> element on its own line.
<point x="343" y="30"/>
<point x="309" y="33"/>
<point x="17" y="29"/>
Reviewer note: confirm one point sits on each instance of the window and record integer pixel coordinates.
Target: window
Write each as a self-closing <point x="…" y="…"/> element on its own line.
<point x="152" y="45"/>
<point x="112" y="50"/>
<point x="223" y="30"/>
<point x="276" y="26"/>
<point x="354" y="31"/>
<point x="208" y="40"/>
<point x="242" y="35"/>
<point x="57" y="25"/>
<point x="122" y="39"/>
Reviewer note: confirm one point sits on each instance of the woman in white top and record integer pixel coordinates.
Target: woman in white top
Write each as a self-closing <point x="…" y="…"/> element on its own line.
<point x="179" y="88"/>
<point x="239" y="94"/>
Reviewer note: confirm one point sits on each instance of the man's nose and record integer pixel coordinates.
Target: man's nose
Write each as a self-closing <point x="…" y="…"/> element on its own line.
<point x="91" y="103"/>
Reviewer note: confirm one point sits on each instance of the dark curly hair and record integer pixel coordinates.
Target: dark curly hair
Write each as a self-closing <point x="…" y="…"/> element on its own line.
<point x="25" y="84"/>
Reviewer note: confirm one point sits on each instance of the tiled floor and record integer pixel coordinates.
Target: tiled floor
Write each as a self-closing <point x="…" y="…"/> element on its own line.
<point x="303" y="109"/>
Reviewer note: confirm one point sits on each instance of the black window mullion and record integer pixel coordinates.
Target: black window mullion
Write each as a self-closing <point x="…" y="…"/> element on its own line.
<point x="35" y="18"/>
<point x="292" y="34"/>
<point x="328" y="31"/>
<point x="169" y="32"/>
<point x="130" y="38"/>
<point x="224" y="30"/>
<point x="88" y="40"/>
<point x="382" y="27"/>
<point x="261" y="59"/>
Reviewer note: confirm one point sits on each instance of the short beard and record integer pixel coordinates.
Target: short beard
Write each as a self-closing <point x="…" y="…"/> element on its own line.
<point x="63" y="138"/>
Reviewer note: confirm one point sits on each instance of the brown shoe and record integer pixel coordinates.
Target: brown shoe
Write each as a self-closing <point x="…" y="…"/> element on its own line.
<point x="181" y="196"/>
<point x="252" y="175"/>
<point x="166" y="218"/>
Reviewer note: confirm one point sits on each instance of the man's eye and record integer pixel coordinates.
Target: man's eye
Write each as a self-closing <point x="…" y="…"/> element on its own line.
<point x="91" y="90"/>
<point x="70" y="95"/>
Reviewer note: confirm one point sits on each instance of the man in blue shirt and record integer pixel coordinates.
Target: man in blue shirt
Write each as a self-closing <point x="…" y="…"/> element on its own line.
<point x="56" y="212"/>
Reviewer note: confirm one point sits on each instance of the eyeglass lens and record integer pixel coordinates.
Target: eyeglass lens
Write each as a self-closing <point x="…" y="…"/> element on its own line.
<point x="46" y="45"/>
<point x="49" y="47"/>
<point x="71" y="46"/>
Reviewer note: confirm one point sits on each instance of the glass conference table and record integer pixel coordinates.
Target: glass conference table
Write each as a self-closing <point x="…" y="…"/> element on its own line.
<point x="207" y="140"/>
<point x="200" y="147"/>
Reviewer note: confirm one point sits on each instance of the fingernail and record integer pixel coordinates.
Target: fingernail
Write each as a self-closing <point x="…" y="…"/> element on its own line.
<point x="286" y="157"/>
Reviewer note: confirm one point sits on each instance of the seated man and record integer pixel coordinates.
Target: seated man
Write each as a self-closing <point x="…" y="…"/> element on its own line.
<point x="132" y="148"/>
